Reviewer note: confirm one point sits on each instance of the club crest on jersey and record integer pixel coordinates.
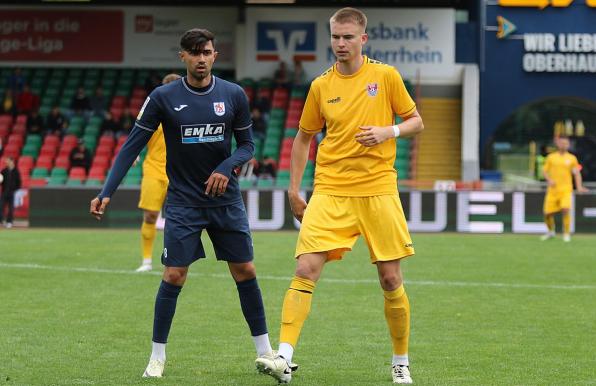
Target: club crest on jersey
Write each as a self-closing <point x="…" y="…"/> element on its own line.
<point x="372" y="89"/>
<point x="219" y="108"/>
<point x="203" y="132"/>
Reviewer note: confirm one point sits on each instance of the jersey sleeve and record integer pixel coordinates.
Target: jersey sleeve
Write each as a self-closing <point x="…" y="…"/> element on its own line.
<point x="150" y="115"/>
<point x="312" y="121"/>
<point x="242" y="119"/>
<point x="401" y="101"/>
<point x="574" y="163"/>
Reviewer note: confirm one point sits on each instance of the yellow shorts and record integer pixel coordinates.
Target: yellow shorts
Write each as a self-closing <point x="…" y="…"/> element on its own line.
<point x="555" y="200"/>
<point x="153" y="193"/>
<point x="332" y="224"/>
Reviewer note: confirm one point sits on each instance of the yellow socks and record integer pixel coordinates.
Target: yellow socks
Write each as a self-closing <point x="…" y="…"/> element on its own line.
<point x="566" y="223"/>
<point x="397" y="313"/>
<point x="549" y="220"/>
<point x="147" y="238"/>
<point x="295" y="309"/>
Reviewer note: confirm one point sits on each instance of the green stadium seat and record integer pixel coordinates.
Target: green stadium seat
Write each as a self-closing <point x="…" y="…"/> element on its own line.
<point x="246" y="183"/>
<point x="95" y="120"/>
<point x="282" y="182"/>
<point x="265" y="183"/>
<point x="57" y="180"/>
<point x="290" y="132"/>
<point x="75" y="73"/>
<point x="132" y="180"/>
<point x="39" y="173"/>
<point x="74" y="182"/>
<point x="75" y="129"/>
<point x="307" y="183"/>
<point x="93" y="182"/>
<point x="33" y="139"/>
<point x="55" y="83"/>
<point x="59" y="172"/>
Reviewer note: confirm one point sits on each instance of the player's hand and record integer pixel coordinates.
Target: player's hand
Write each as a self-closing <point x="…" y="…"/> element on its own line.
<point x="297" y="204"/>
<point x="98" y="208"/>
<point x="551" y="183"/>
<point x="374" y="135"/>
<point x="582" y="189"/>
<point x="216" y="184"/>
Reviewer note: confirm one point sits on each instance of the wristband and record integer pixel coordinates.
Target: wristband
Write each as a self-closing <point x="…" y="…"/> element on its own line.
<point x="395" y="130"/>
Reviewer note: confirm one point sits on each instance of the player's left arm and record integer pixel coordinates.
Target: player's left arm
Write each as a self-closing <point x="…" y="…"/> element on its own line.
<point x="217" y="183"/>
<point x="577" y="175"/>
<point x="403" y="105"/>
<point x="374" y="135"/>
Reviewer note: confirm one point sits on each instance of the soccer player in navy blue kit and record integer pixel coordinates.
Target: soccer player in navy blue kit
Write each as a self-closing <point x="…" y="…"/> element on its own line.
<point x="199" y="113"/>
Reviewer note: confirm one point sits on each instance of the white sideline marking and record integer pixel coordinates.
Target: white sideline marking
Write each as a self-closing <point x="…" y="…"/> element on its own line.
<point x="330" y="280"/>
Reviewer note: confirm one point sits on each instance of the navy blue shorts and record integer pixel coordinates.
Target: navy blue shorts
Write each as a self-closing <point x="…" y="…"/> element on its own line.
<point x="227" y="227"/>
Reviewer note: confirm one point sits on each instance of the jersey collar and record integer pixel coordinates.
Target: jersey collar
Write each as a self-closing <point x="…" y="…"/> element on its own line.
<point x="202" y="90"/>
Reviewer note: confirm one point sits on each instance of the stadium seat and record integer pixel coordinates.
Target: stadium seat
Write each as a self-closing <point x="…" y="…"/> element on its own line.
<point x="45" y="162"/>
<point x="103" y="151"/>
<point x="51" y="140"/>
<point x="19" y="128"/>
<point x="25" y="163"/>
<point x="15" y="139"/>
<point x="39" y="173"/>
<point x="106" y="141"/>
<point x="22" y="119"/>
<point x="77" y="172"/>
<point x="74" y="181"/>
<point x="12" y="151"/>
<point x="62" y="161"/>
<point x="6" y="119"/>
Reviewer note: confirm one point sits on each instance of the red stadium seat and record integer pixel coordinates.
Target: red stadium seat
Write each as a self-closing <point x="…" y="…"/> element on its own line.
<point x="51" y="140"/>
<point x="106" y="140"/>
<point x="63" y="161"/>
<point x="119" y="101"/>
<point x="12" y="151"/>
<point x="284" y="163"/>
<point x="22" y="118"/>
<point x="45" y="162"/>
<point x="116" y="112"/>
<point x="4" y="130"/>
<point x="19" y="128"/>
<point x="25" y="162"/>
<point x="97" y="174"/>
<point x="100" y="161"/>
<point x="25" y="180"/>
<point x="138" y="92"/>
<point x="136" y="102"/>
<point x="6" y="118"/>
<point x="105" y="151"/>
<point x="122" y="139"/>
<point x="15" y="139"/>
<point x="77" y="173"/>
<point x="49" y="151"/>
<point x="70" y="140"/>
<point x="37" y="182"/>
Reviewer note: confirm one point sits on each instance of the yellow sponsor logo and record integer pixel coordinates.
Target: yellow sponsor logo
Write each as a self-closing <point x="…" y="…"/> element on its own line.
<point x="542" y="3"/>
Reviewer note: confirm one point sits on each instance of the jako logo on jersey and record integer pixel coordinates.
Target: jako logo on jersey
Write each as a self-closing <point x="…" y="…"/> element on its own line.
<point x="286" y="41"/>
<point x="372" y="89"/>
<point x="219" y="108"/>
<point x="203" y="132"/>
<point x="180" y="107"/>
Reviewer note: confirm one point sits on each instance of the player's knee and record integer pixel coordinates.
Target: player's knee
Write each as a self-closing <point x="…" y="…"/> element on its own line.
<point x="307" y="271"/>
<point x="175" y="276"/>
<point x="243" y="272"/>
<point x="390" y="281"/>
<point x="150" y="217"/>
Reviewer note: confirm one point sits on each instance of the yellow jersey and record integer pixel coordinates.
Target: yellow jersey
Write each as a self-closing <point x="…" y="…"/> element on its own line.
<point x="560" y="169"/>
<point x="154" y="165"/>
<point x="370" y="97"/>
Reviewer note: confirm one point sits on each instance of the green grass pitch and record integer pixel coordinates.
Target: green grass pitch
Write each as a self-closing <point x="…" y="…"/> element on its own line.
<point x="486" y="310"/>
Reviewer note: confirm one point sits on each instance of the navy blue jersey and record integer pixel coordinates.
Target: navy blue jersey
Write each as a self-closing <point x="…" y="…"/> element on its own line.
<point x="198" y="126"/>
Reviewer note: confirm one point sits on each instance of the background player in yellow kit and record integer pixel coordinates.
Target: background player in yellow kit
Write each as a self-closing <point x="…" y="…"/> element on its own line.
<point x="558" y="169"/>
<point x="355" y="190"/>
<point x="153" y="189"/>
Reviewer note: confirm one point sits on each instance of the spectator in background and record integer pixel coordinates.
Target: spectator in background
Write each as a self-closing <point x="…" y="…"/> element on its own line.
<point x="34" y="123"/>
<point x="127" y="121"/>
<point x="263" y="104"/>
<point x="80" y="157"/>
<point x="258" y="124"/>
<point x="299" y="76"/>
<point x="110" y="125"/>
<point x="15" y="82"/>
<point x="267" y="167"/>
<point x="98" y="102"/>
<point x="8" y="104"/>
<point x="27" y="101"/>
<point x="11" y="182"/>
<point x="80" y="103"/>
<point x="281" y="77"/>
<point x="55" y="120"/>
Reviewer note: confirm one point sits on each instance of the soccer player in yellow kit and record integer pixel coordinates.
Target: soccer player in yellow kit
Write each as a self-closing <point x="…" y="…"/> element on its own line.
<point x="355" y="190"/>
<point x="558" y="169"/>
<point x="153" y="189"/>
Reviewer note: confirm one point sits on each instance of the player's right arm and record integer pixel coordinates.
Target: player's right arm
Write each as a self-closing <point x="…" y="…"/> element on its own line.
<point x="311" y="122"/>
<point x="147" y="122"/>
<point x="300" y="150"/>
<point x="545" y="171"/>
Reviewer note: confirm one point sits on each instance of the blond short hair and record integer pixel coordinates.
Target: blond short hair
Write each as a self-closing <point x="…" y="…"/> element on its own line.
<point x="170" y="78"/>
<point x="347" y="15"/>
